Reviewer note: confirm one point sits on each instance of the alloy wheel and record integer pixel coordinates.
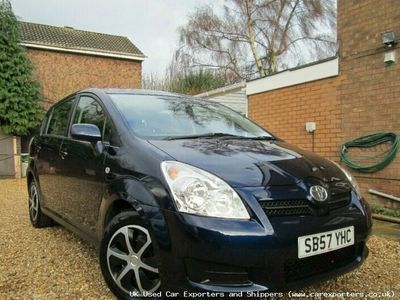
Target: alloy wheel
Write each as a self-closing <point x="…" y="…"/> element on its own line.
<point x="131" y="260"/>
<point x="33" y="202"/>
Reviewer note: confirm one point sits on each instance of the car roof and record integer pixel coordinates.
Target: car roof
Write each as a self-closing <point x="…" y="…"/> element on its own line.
<point x="134" y="92"/>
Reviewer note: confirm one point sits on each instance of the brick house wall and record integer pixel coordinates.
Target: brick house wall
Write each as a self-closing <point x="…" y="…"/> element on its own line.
<point x="363" y="99"/>
<point x="285" y="112"/>
<point x="370" y="89"/>
<point x="62" y="73"/>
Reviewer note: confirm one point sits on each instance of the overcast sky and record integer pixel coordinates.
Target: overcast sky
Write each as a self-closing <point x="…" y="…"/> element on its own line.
<point x="150" y="24"/>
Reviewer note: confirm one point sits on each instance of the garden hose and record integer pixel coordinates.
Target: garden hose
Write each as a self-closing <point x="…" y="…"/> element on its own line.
<point x="368" y="141"/>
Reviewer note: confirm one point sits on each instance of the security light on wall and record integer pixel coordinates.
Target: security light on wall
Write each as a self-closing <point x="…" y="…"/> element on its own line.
<point x="389" y="39"/>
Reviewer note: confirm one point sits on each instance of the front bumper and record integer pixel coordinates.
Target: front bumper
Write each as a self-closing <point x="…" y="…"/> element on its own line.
<point x="220" y="255"/>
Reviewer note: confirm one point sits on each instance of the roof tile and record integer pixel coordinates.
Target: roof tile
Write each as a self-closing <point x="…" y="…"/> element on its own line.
<point x="70" y="38"/>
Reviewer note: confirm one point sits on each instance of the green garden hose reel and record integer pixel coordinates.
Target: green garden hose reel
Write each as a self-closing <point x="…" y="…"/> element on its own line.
<point x="372" y="163"/>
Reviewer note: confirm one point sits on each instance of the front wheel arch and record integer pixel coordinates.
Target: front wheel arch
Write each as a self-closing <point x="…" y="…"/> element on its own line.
<point x="130" y="193"/>
<point x="116" y="207"/>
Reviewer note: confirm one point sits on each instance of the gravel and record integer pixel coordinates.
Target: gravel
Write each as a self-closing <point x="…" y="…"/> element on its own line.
<point x="47" y="263"/>
<point x="52" y="263"/>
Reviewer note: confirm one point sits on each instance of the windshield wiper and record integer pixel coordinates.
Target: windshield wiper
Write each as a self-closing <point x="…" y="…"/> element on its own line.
<point x="263" y="137"/>
<point x="198" y="136"/>
<point x="219" y="135"/>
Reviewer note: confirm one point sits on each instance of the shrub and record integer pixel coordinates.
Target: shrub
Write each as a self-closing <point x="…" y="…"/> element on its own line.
<point x="20" y="109"/>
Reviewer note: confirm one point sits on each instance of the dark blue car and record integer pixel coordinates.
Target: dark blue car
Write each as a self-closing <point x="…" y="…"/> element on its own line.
<point x="185" y="195"/>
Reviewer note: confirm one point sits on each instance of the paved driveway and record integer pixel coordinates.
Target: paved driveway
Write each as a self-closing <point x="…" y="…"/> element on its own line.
<point x="52" y="263"/>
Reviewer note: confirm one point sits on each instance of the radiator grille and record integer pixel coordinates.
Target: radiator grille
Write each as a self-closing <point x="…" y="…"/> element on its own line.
<point x="293" y="207"/>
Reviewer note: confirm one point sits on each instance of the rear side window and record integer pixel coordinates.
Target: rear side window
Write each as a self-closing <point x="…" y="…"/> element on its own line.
<point x="59" y="118"/>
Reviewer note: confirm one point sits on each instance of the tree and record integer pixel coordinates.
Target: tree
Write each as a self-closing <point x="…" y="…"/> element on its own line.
<point x="190" y="82"/>
<point x="20" y="109"/>
<point x="153" y="82"/>
<point x="254" y="38"/>
<point x="195" y="82"/>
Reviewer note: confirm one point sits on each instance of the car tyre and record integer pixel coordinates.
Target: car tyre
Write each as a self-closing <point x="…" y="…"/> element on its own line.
<point x="127" y="257"/>
<point x="38" y="219"/>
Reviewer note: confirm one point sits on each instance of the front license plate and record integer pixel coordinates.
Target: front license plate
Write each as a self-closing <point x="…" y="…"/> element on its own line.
<point x="323" y="242"/>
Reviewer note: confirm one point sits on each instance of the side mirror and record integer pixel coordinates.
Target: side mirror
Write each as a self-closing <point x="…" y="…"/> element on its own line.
<point x="86" y="132"/>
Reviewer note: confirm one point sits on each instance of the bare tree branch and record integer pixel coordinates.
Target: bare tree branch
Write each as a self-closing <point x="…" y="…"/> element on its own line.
<point x="257" y="37"/>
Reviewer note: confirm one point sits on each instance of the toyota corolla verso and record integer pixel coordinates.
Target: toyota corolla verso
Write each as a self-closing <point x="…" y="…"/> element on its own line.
<point x="182" y="194"/>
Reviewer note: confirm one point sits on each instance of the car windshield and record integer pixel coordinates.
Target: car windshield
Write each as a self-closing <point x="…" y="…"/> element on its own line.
<point x="168" y="117"/>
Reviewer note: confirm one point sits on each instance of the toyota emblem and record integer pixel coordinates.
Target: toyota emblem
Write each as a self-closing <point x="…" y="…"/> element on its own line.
<point x="319" y="193"/>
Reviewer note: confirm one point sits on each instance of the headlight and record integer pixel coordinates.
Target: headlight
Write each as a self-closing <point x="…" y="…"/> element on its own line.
<point x="350" y="178"/>
<point x="198" y="192"/>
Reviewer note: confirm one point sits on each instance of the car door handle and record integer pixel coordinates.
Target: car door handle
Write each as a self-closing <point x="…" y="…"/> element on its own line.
<point x="63" y="154"/>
